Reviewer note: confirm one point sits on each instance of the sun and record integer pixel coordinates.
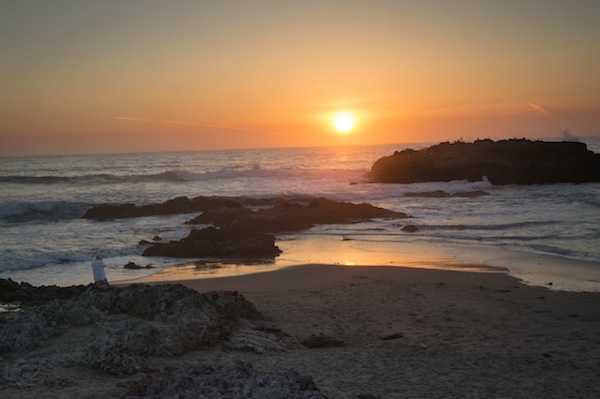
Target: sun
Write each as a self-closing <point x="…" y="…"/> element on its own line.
<point x="343" y="122"/>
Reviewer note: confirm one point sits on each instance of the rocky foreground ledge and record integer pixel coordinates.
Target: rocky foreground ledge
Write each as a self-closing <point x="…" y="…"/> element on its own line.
<point x="134" y="337"/>
<point x="502" y="162"/>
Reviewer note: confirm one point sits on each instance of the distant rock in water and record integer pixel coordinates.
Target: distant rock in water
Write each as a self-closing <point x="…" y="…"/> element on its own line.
<point x="225" y="243"/>
<point x="179" y="205"/>
<point x="295" y="215"/>
<point x="502" y="162"/>
<point x="243" y="233"/>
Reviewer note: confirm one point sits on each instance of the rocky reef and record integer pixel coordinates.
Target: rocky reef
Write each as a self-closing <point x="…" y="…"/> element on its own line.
<point x="175" y="206"/>
<point x="243" y="233"/>
<point x="11" y="291"/>
<point x="162" y="320"/>
<point x="238" y="231"/>
<point x="134" y="330"/>
<point x="515" y="161"/>
<point x="294" y="215"/>
<point x="225" y="243"/>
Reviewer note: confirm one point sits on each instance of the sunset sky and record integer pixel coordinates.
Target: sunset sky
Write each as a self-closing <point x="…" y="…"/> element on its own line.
<point x="126" y="76"/>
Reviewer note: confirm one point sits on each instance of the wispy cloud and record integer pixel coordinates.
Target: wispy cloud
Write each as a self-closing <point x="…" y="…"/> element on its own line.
<point x="131" y="119"/>
<point x="202" y="125"/>
<point x="540" y="109"/>
<point x="170" y="122"/>
<point x="192" y="124"/>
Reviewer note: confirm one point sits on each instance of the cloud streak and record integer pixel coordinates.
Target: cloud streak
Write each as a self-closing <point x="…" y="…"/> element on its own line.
<point x="131" y="119"/>
<point x="540" y="109"/>
<point x="192" y="124"/>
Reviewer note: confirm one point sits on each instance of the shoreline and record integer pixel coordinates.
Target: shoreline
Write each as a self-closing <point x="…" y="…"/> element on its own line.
<point x="556" y="273"/>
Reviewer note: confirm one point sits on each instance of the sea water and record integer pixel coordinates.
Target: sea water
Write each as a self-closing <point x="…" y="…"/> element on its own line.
<point x="540" y="233"/>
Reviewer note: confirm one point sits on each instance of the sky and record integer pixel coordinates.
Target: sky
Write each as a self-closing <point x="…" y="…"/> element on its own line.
<point x="133" y="76"/>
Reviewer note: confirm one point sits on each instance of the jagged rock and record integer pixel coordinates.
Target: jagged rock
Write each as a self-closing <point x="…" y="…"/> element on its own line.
<point x="502" y="162"/>
<point x="162" y="320"/>
<point x="123" y="348"/>
<point x="11" y="291"/>
<point x="242" y="232"/>
<point x="227" y="243"/>
<point x="237" y="381"/>
<point x="174" y="206"/>
<point x="135" y="266"/>
<point x="33" y="328"/>
<point x="295" y="215"/>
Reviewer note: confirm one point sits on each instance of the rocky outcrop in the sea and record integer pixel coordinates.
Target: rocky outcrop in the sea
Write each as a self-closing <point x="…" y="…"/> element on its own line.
<point x="225" y="243"/>
<point x="125" y="327"/>
<point x="179" y="205"/>
<point x="243" y="233"/>
<point x="294" y="215"/>
<point x="502" y="162"/>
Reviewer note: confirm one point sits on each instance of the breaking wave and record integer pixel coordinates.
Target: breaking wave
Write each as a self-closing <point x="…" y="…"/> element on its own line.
<point x="178" y="175"/>
<point x="41" y="211"/>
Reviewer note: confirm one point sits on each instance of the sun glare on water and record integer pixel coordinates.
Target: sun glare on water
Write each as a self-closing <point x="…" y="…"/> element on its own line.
<point x="343" y="122"/>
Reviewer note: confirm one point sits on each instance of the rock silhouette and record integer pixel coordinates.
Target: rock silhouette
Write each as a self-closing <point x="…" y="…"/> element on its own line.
<point x="515" y="161"/>
<point x="243" y="233"/>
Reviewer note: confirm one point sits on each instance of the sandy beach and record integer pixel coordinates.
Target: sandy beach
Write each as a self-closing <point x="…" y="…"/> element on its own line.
<point x="460" y="334"/>
<point x="407" y="333"/>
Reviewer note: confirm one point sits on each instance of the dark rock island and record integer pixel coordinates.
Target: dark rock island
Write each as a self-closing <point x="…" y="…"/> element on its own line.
<point x="515" y="161"/>
<point x="240" y="228"/>
<point x="243" y="233"/>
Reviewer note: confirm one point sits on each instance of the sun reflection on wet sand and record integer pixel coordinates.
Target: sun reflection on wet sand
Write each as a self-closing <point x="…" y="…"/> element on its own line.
<point x="332" y="250"/>
<point x="337" y="250"/>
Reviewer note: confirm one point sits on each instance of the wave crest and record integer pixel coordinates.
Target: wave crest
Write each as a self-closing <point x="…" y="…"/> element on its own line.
<point x="178" y="175"/>
<point x="45" y="210"/>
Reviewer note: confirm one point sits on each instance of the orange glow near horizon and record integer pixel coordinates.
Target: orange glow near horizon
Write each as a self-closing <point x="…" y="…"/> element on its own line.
<point x="206" y="75"/>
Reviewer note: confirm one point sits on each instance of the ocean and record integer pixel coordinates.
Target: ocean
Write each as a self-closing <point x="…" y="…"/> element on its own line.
<point x="541" y="233"/>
